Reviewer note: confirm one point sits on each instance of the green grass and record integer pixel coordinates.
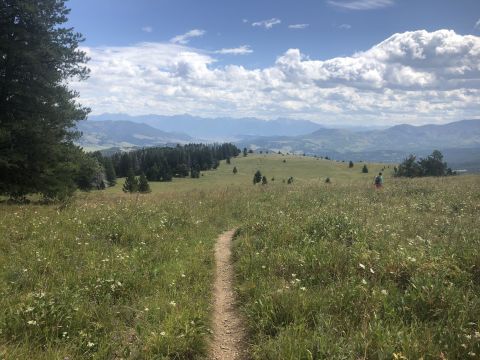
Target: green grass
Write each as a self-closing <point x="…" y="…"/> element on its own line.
<point x="337" y="271"/>
<point x="347" y="272"/>
<point x="304" y="170"/>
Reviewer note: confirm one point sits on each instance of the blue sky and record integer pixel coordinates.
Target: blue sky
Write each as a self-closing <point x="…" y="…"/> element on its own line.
<point x="247" y="40"/>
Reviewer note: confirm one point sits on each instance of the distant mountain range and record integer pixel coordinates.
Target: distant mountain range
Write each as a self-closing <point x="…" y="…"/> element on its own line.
<point x="459" y="141"/>
<point x="217" y="129"/>
<point x="98" y="135"/>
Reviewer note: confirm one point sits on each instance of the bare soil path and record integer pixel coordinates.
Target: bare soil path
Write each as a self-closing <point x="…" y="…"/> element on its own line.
<point x="229" y="333"/>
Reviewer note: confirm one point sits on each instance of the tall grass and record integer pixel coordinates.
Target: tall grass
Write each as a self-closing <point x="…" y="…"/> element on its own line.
<point x="346" y="272"/>
<point x="335" y="271"/>
<point x="108" y="277"/>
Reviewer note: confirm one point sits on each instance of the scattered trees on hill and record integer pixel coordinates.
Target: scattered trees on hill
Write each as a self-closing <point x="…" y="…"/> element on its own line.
<point x="38" y="112"/>
<point x="432" y="165"/>
<point x="350" y="164"/>
<point x="365" y="169"/>
<point x="164" y="163"/>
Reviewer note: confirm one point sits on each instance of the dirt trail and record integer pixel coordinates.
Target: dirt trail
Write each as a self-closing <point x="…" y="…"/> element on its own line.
<point x="229" y="333"/>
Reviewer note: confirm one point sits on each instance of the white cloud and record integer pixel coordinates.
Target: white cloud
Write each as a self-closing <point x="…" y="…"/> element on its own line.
<point x="185" y="38"/>
<point x="147" y="29"/>
<point x="298" y="26"/>
<point x="411" y="77"/>
<point x="267" y="24"/>
<point x="477" y="24"/>
<point x="245" y="21"/>
<point x="345" y="27"/>
<point x="361" y="4"/>
<point x="241" y="50"/>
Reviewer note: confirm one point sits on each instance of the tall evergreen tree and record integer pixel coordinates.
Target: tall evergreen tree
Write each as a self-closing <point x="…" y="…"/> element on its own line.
<point x="365" y="169"/>
<point x="350" y="164"/>
<point x="131" y="183"/>
<point x="235" y="171"/>
<point x="143" y="185"/>
<point x="110" y="174"/>
<point x="38" y="55"/>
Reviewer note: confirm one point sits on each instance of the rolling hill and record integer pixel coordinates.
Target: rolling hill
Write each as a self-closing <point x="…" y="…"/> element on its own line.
<point x="97" y="135"/>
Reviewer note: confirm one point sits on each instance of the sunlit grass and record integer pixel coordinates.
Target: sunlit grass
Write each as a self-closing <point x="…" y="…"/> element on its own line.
<point x="331" y="271"/>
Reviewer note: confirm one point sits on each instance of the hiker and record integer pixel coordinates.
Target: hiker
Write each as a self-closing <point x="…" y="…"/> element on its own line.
<point x="378" y="180"/>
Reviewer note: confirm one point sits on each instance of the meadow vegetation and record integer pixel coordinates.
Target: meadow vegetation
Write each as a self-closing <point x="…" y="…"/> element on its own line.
<point x="324" y="270"/>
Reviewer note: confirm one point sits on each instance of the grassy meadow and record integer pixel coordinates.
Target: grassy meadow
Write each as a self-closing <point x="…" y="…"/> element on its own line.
<point x="324" y="271"/>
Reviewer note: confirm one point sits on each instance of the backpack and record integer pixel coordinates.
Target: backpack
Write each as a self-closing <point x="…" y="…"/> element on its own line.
<point x="377" y="180"/>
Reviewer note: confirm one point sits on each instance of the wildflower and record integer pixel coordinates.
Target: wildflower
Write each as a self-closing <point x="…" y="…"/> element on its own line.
<point x="303" y="288"/>
<point x="183" y="275"/>
<point x="31" y="322"/>
<point x="364" y="282"/>
<point x="471" y="353"/>
<point x="362" y="266"/>
<point x="147" y="309"/>
<point x="371" y="270"/>
<point x="263" y="266"/>
<point x="90" y="344"/>
<point x="384" y="292"/>
<point x="163" y="333"/>
<point x="173" y="303"/>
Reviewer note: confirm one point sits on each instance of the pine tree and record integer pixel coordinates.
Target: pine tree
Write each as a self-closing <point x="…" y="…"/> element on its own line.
<point x="143" y="185"/>
<point x="350" y="164"/>
<point x="365" y="169"/>
<point x="257" y="177"/>
<point x="131" y="183"/>
<point x="235" y="170"/>
<point x="38" y="56"/>
<point x="110" y="172"/>
<point x="245" y="151"/>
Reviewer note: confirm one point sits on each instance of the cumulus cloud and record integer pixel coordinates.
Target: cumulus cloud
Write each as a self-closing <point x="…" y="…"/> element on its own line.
<point x="267" y="24"/>
<point x="360" y="4"/>
<point x="147" y="29"/>
<point x="185" y="38"/>
<point x="407" y="77"/>
<point x="241" y="50"/>
<point x="298" y="26"/>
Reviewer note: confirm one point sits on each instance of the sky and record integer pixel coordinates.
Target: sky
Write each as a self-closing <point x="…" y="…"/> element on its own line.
<point x="345" y="62"/>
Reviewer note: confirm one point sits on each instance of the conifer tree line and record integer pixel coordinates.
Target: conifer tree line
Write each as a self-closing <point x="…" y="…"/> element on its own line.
<point x="164" y="163"/>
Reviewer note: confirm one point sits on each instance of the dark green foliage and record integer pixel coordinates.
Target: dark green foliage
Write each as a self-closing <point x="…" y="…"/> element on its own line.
<point x="143" y="186"/>
<point x="235" y="170"/>
<point x="432" y="165"/>
<point x="365" y="169"/>
<point x="350" y="164"/>
<point x="264" y="180"/>
<point x="228" y="160"/>
<point x="273" y="179"/>
<point x="131" y="183"/>
<point x="164" y="163"/>
<point x="37" y="110"/>
<point x="290" y="180"/>
<point x="110" y="172"/>
<point x="284" y="160"/>
<point x="327" y="180"/>
<point x="245" y="151"/>
<point x="90" y="173"/>
<point x="257" y="177"/>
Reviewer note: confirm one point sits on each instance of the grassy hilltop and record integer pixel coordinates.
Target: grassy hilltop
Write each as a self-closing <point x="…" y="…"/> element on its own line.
<point x="303" y="169"/>
<point x="324" y="271"/>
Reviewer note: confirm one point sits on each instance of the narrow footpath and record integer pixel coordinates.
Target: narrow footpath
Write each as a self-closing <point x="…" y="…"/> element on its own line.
<point x="229" y="332"/>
